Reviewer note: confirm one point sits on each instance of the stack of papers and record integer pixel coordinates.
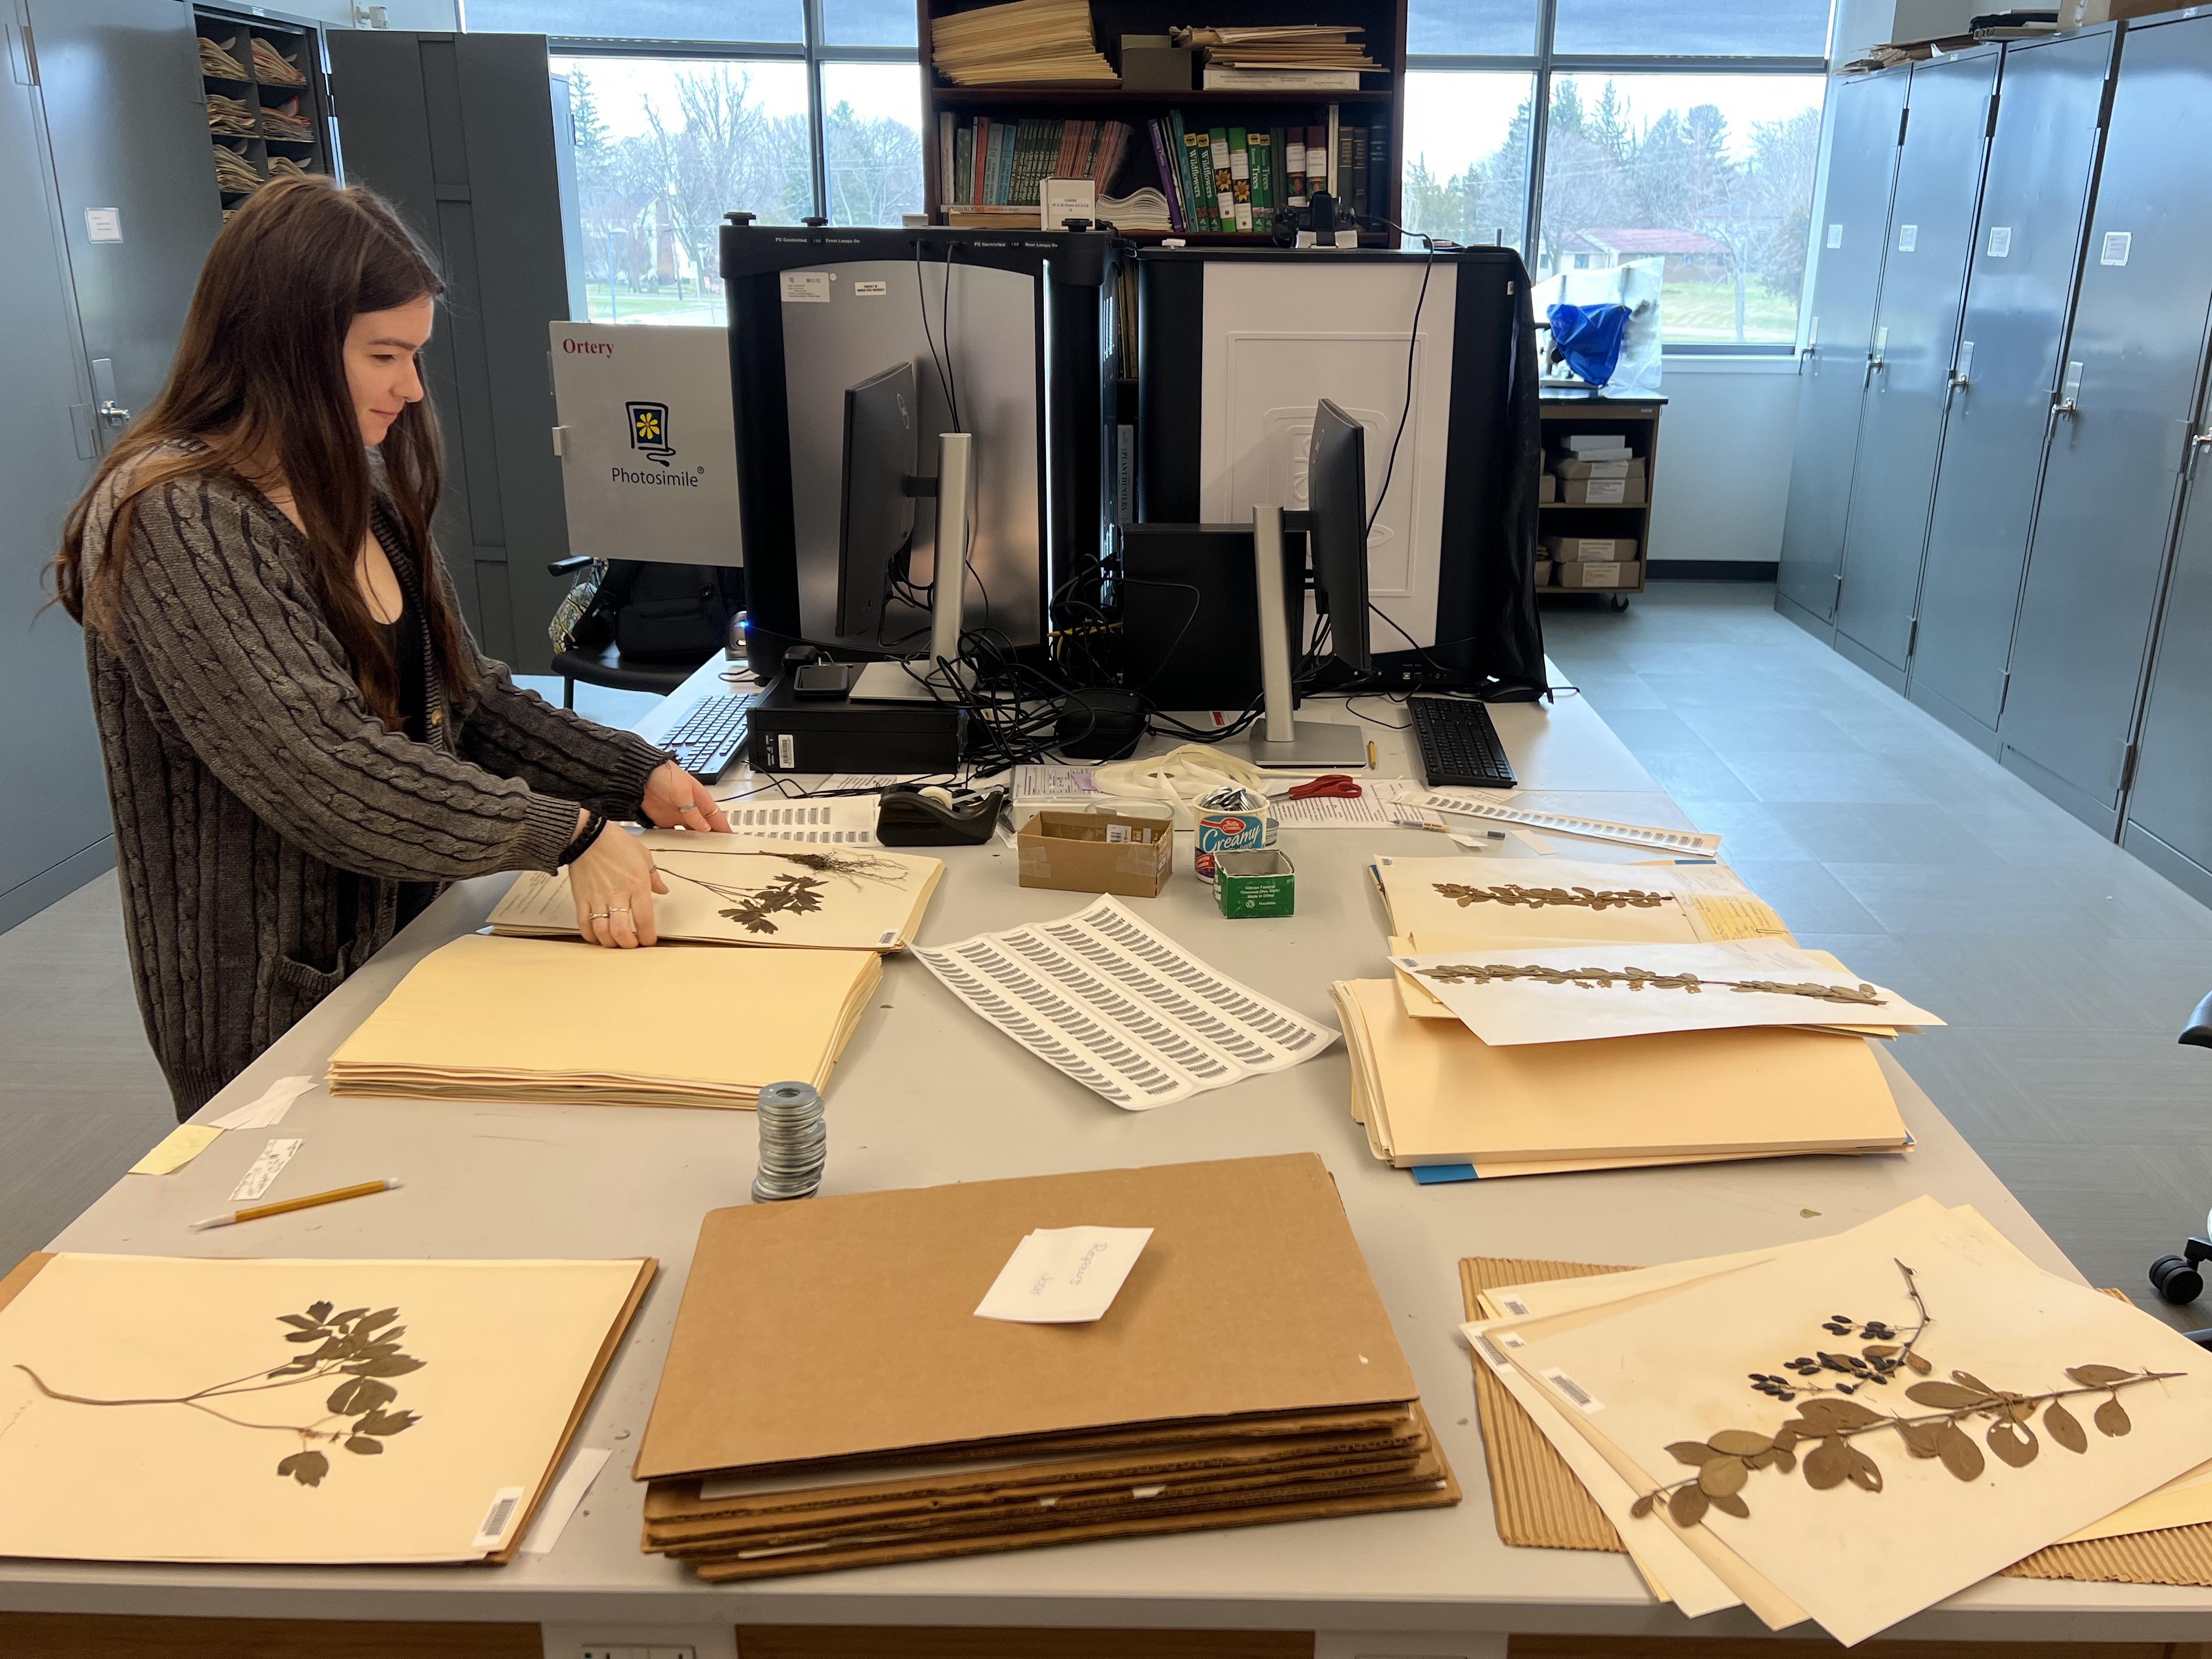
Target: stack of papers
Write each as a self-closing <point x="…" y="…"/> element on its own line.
<point x="1027" y="41"/>
<point x="1853" y="1428"/>
<point x="554" y="1020"/>
<point x="324" y="1412"/>
<point x="1550" y="1016"/>
<point x="1282" y="46"/>
<point x="1245" y="1372"/>
<point x="728" y="890"/>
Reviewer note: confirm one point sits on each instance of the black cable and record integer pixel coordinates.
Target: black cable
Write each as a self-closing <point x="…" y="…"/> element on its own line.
<point x="921" y="300"/>
<point x="1406" y="410"/>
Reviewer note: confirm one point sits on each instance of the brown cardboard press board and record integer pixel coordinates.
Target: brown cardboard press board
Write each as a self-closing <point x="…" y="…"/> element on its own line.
<point x="845" y="1328"/>
<point x="1539" y="1503"/>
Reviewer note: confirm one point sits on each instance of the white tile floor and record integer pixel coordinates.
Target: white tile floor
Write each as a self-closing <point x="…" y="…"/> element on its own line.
<point x="2065" y="967"/>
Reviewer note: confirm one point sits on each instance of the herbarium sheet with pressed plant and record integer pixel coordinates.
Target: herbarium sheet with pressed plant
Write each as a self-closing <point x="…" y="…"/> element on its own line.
<point x="1544" y="991"/>
<point x="163" y="1409"/>
<point x="1854" y="1428"/>
<point x="1472" y="901"/>
<point x="731" y="890"/>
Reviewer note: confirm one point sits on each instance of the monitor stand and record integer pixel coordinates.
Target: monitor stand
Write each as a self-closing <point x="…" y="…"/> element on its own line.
<point x="941" y="676"/>
<point x="1282" y="742"/>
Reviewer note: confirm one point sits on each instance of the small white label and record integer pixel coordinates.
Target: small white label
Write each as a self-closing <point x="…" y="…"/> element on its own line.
<point x="1489" y="1352"/>
<point x="1965" y="358"/>
<point x="1146" y="1491"/>
<point x="1116" y="833"/>
<point x="2115" y="250"/>
<point x="786" y="751"/>
<point x="888" y="937"/>
<point x="870" y="290"/>
<point x="1063" y="1275"/>
<point x="1594" y="548"/>
<point x="1588" y="1405"/>
<point x="1835" y="235"/>
<point x="1881" y="339"/>
<point x="104" y="224"/>
<point x="806" y="288"/>
<point x="2000" y="241"/>
<point x="2072" y="387"/>
<point x="1604" y="491"/>
<point x="497" y="1519"/>
<point x="1813" y="334"/>
<point x="1513" y="1304"/>
<point x="1908" y="238"/>
<point x="262" y="1174"/>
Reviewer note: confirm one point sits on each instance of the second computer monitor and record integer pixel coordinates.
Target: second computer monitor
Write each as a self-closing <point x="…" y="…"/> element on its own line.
<point x="876" y="519"/>
<point x="1336" y="530"/>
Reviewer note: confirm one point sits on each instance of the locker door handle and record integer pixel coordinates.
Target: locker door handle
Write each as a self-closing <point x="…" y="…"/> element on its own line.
<point x="2198" y="443"/>
<point x="1874" y="360"/>
<point x="112" y="412"/>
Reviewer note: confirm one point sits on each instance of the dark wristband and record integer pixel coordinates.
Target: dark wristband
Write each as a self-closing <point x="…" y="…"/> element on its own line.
<point x="590" y="833"/>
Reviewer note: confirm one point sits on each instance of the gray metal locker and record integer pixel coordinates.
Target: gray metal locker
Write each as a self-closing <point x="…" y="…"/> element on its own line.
<point x="2169" y="809"/>
<point x="459" y="132"/>
<point x="2121" y="431"/>
<point x="1916" y="332"/>
<point x="2020" y="292"/>
<point x="54" y="829"/>
<point x="1869" y="121"/>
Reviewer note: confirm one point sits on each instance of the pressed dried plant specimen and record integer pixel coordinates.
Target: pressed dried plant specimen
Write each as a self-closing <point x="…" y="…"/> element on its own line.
<point x="1642" y="979"/>
<point x="755" y="908"/>
<point x="1538" y="898"/>
<point x="358" y="1347"/>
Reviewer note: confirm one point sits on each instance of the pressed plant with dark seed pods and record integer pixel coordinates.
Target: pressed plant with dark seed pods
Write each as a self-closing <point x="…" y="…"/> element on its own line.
<point x="1829" y="1421"/>
<point x="1539" y="898"/>
<point x="358" y="1347"/>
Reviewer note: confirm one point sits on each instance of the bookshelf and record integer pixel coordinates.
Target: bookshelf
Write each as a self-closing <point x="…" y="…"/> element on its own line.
<point x="1378" y="103"/>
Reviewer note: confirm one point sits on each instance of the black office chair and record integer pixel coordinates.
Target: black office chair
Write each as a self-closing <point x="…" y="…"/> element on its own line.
<point x="2177" y="1278"/>
<point x="649" y="627"/>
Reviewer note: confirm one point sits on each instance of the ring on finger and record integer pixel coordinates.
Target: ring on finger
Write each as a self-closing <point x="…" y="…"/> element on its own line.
<point x="601" y="915"/>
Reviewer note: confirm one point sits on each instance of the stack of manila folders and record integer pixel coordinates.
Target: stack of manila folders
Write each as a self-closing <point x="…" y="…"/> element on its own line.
<point x="1544" y="1018"/>
<point x="1243" y="1372"/>
<point x="1847" y="1429"/>
<point x="532" y="1013"/>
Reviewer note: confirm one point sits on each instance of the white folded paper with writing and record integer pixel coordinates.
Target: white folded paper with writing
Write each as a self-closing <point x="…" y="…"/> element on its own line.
<point x="1063" y="1275"/>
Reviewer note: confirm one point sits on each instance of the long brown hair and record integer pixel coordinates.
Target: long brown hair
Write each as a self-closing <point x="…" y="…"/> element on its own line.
<point x="260" y="381"/>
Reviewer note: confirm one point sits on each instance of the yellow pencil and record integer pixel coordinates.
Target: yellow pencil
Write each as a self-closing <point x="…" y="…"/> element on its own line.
<point x="362" y="1190"/>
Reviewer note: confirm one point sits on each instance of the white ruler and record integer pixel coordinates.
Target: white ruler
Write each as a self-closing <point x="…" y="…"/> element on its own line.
<point x="1634" y="834"/>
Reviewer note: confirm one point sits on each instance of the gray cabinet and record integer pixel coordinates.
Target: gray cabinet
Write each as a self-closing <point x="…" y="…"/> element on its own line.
<point x="2128" y="392"/>
<point x="1916" y="332"/>
<point x="2019" y="293"/>
<point x="2169" y="822"/>
<point x="1867" y="124"/>
<point x="461" y="133"/>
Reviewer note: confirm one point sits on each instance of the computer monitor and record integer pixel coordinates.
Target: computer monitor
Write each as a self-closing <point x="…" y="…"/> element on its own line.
<point x="875" y="522"/>
<point x="1336" y="530"/>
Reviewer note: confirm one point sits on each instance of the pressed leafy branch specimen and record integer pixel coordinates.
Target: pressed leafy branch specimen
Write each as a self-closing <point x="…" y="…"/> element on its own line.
<point x="358" y="1347"/>
<point x="1537" y="898"/>
<point x="1725" y="1462"/>
<point x="1642" y="979"/>
<point x="755" y="908"/>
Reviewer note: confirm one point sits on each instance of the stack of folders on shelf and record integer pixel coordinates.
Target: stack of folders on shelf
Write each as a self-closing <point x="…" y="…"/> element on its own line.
<point x="1245" y="1372"/>
<point x="272" y="69"/>
<point x="1030" y="42"/>
<point x="1608" y="1016"/>
<point x="217" y="62"/>
<point x="1288" y="58"/>
<point x="1847" y="1429"/>
<point x="559" y="1021"/>
<point x="731" y="890"/>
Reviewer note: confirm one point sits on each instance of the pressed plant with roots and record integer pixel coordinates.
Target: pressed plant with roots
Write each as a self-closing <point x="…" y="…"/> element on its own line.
<point x="358" y="1347"/>
<point x="1641" y="979"/>
<point x="755" y="908"/>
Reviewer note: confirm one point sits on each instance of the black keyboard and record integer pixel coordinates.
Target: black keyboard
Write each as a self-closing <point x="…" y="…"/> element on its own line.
<point x="706" y="738"/>
<point x="1459" y="746"/>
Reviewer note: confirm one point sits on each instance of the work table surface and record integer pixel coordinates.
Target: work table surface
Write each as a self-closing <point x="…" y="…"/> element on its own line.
<point x="926" y="1094"/>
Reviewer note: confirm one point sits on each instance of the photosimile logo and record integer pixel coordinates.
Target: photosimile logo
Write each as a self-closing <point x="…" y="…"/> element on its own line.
<point x="649" y="436"/>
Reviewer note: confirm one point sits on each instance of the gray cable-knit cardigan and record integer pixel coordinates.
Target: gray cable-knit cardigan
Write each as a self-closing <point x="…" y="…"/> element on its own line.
<point x="265" y="821"/>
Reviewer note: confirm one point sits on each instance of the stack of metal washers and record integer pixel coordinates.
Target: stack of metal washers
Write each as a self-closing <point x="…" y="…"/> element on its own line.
<point x="794" y="1143"/>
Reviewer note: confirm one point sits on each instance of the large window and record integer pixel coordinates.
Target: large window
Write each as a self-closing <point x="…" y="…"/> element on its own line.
<point x="1681" y="136"/>
<point x="685" y="110"/>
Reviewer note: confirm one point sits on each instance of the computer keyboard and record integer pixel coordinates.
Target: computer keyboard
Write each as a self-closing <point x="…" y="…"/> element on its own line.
<point x="1459" y="746"/>
<point x="710" y="734"/>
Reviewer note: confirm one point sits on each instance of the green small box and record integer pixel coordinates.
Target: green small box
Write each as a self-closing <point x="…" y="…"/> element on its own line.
<point x="1260" y="882"/>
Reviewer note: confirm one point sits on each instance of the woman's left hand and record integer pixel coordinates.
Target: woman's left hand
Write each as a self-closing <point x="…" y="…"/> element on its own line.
<point x="674" y="799"/>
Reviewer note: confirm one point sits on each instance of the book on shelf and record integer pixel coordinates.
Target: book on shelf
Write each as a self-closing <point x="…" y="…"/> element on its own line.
<point x="1240" y="177"/>
<point x="1033" y="42"/>
<point x="1171" y="172"/>
<point x="1004" y="164"/>
<point x="1224" y="181"/>
<point x="1262" y="146"/>
<point x="1294" y="165"/>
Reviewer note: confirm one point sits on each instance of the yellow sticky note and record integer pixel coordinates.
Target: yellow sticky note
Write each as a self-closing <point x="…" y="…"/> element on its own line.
<point x="185" y="1142"/>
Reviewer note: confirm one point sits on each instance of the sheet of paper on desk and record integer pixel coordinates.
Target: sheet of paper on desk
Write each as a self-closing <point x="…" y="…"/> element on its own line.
<point x="177" y="1148"/>
<point x="848" y="820"/>
<point x="1124" y="1012"/>
<point x="1063" y="1275"/>
<point x="1567" y="824"/>
<point x="1511" y="994"/>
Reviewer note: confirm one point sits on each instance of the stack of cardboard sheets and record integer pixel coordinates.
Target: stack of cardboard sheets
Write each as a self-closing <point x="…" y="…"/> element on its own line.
<point x="1034" y="42"/>
<point x="555" y="1020"/>
<point x="832" y="1398"/>
<point x="1552" y="1016"/>
<point x="1848" y="1429"/>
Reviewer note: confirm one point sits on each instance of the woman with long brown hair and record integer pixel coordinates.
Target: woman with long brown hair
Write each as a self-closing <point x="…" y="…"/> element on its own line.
<point x="302" y="742"/>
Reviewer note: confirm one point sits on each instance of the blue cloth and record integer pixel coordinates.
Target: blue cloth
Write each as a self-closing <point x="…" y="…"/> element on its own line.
<point x="1589" y="337"/>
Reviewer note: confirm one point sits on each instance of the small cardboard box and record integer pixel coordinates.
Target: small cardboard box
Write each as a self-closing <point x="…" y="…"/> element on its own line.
<point x="1596" y="573"/>
<point x="1118" y="852"/>
<point x="1151" y="63"/>
<point x="1255" y="883"/>
<point x="1543" y="573"/>
<point x="1602" y="492"/>
<point x="1573" y="468"/>
<point x="1548" y="490"/>
<point x="1568" y="549"/>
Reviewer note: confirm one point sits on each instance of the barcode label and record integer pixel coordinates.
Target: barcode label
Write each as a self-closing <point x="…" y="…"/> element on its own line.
<point x="497" y="1519"/>
<point x="1513" y="1304"/>
<point x="1573" y="1390"/>
<point x="888" y="937"/>
<point x="1116" y="833"/>
<point x="1489" y="1352"/>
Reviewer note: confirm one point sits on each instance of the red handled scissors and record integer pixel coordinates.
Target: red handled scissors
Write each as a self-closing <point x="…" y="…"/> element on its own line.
<point x="1334" y="787"/>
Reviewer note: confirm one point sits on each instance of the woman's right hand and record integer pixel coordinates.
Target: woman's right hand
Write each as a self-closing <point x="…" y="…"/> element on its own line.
<point x="613" y="882"/>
